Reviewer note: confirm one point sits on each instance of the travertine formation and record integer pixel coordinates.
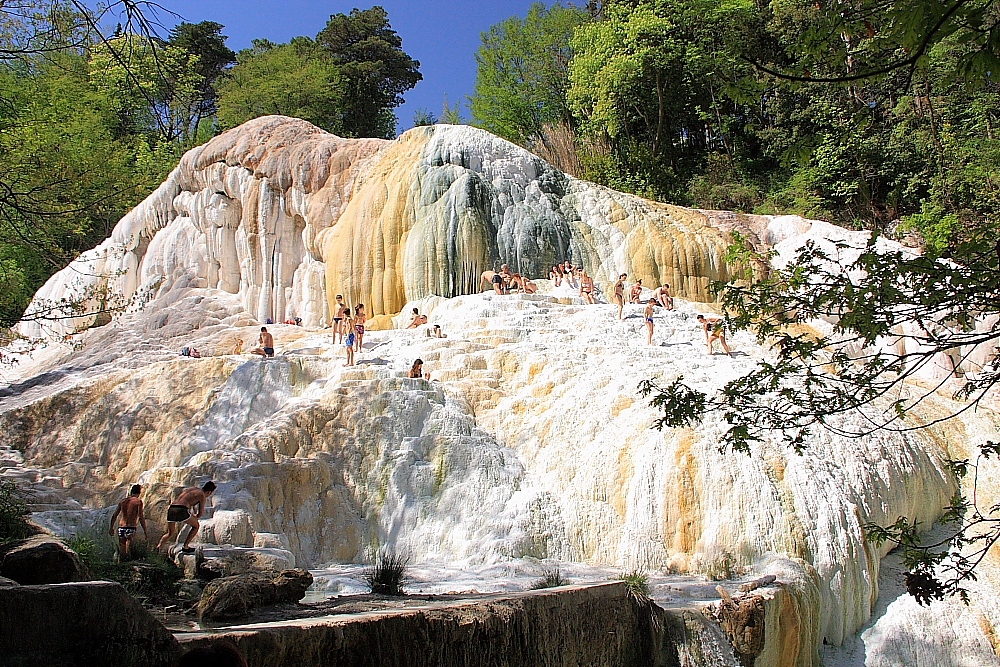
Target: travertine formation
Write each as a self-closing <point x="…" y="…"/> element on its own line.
<point x="529" y="441"/>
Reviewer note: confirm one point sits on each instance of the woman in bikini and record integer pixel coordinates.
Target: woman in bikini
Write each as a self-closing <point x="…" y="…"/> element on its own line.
<point x="555" y="274"/>
<point x="359" y="326"/>
<point x="636" y="291"/>
<point x="416" y="371"/>
<point x="587" y="287"/>
<point x="649" y="320"/>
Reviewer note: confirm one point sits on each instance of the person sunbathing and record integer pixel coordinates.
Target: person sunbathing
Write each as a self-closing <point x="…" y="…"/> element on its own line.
<point x="417" y="320"/>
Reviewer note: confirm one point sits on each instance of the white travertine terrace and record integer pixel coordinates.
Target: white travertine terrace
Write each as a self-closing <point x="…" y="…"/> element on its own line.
<point x="529" y="442"/>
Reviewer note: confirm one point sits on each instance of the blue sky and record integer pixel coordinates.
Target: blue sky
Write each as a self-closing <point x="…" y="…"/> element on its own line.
<point x="442" y="34"/>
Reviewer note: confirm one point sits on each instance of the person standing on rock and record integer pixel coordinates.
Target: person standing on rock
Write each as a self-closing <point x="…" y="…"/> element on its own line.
<point x="338" y="319"/>
<point x="587" y="287"/>
<point x="619" y="293"/>
<point x="266" y="347"/>
<point x="182" y="511"/>
<point x="649" y="320"/>
<point x="360" y="317"/>
<point x="132" y="514"/>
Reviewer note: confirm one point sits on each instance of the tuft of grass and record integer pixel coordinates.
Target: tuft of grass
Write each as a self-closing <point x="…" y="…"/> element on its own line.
<point x="144" y="574"/>
<point x="388" y="573"/>
<point x="550" y="579"/>
<point x="637" y="585"/>
<point x="13" y="514"/>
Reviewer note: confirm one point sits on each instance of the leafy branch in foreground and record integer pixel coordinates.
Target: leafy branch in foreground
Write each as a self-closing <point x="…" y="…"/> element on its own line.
<point x="896" y="317"/>
<point x="940" y="568"/>
<point x="860" y="336"/>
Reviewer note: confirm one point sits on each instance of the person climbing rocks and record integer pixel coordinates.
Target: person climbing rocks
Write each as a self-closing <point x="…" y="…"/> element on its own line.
<point x="266" y="344"/>
<point x="714" y="328"/>
<point x="131" y="512"/>
<point x="619" y="293"/>
<point x="182" y="511"/>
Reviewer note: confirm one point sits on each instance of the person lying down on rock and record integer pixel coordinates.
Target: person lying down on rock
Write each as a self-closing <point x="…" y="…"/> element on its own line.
<point x="417" y="320"/>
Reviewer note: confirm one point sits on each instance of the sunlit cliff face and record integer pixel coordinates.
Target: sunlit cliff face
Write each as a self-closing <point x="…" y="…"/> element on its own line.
<point x="529" y="441"/>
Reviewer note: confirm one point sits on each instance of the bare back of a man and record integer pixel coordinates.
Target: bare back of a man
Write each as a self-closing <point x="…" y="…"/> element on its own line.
<point x="130" y="515"/>
<point x="182" y="511"/>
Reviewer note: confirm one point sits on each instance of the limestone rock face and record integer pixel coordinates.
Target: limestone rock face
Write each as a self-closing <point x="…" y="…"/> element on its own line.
<point x="284" y="216"/>
<point x="529" y="441"/>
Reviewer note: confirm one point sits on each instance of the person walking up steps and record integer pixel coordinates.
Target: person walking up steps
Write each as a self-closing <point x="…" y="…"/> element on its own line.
<point x="131" y="512"/>
<point x="181" y="511"/>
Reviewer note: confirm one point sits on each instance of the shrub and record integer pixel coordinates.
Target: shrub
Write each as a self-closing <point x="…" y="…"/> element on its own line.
<point x="144" y="574"/>
<point x="550" y="579"/>
<point x="13" y="525"/>
<point x="388" y="574"/>
<point x="637" y="585"/>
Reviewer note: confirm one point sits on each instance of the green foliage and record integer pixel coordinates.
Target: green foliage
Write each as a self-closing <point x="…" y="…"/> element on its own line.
<point x="388" y="573"/>
<point x="422" y="117"/>
<point x="144" y="574"/>
<point x="551" y="577"/>
<point x="70" y="168"/>
<point x="522" y="73"/>
<point x="637" y="585"/>
<point x="376" y="70"/>
<point x="13" y="513"/>
<point x="298" y="79"/>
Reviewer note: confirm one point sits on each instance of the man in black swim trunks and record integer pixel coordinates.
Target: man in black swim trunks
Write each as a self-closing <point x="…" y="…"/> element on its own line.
<point x="266" y="348"/>
<point x="181" y="512"/>
<point x="132" y="516"/>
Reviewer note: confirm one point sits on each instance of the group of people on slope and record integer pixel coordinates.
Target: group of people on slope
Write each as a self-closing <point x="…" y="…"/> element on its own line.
<point x="187" y="508"/>
<point x="350" y="326"/>
<point x="505" y="282"/>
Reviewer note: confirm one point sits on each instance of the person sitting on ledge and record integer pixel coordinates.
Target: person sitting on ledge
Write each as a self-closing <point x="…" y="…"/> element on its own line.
<point x="636" y="291"/>
<point x="418" y="319"/>
<point x="238" y="347"/>
<point x="662" y="296"/>
<point x="180" y="511"/>
<point x="417" y="370"/>
<point x="437" y="333"/>
<point x="266" y="347"/>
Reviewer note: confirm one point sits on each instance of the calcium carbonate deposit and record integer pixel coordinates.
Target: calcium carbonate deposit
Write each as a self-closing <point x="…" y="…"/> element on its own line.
<point x="529" y="445"/>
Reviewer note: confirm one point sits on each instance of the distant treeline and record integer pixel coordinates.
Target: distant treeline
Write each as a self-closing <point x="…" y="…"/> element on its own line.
<point x="867" y="114"/>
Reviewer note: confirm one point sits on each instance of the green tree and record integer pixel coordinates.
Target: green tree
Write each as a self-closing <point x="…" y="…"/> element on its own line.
<point x="423" y="117"/>
<point x="375" y="68"/>
<point x="206" y="44"/>
<point x="297" y="79"/>
<point x="522" y="73"/>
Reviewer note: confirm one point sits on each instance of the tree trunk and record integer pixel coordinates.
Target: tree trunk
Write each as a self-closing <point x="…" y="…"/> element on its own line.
<point x="660" y="113"/>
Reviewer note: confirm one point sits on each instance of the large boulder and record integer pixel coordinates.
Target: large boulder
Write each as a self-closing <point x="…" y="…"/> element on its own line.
<point x="78" y="625"/>
<point x="235" y="597"/>
<point x="42" y="559"/>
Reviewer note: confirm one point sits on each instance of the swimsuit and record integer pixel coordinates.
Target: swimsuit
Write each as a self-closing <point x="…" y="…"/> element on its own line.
<point x="337" y="319"/>
<point x="360" y="328"/>
<point x="350" y="341"/>
<point x="125" y="532"/>
<point x="269" y="351"/>
<point x="178" y="513"/>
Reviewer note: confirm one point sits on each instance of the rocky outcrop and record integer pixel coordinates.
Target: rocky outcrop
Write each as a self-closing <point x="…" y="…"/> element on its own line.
<point x="237" y="596"/>
<point x="80" y="625"/>
<point x="597" y="626"/>
<point x="41" y="559"/>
